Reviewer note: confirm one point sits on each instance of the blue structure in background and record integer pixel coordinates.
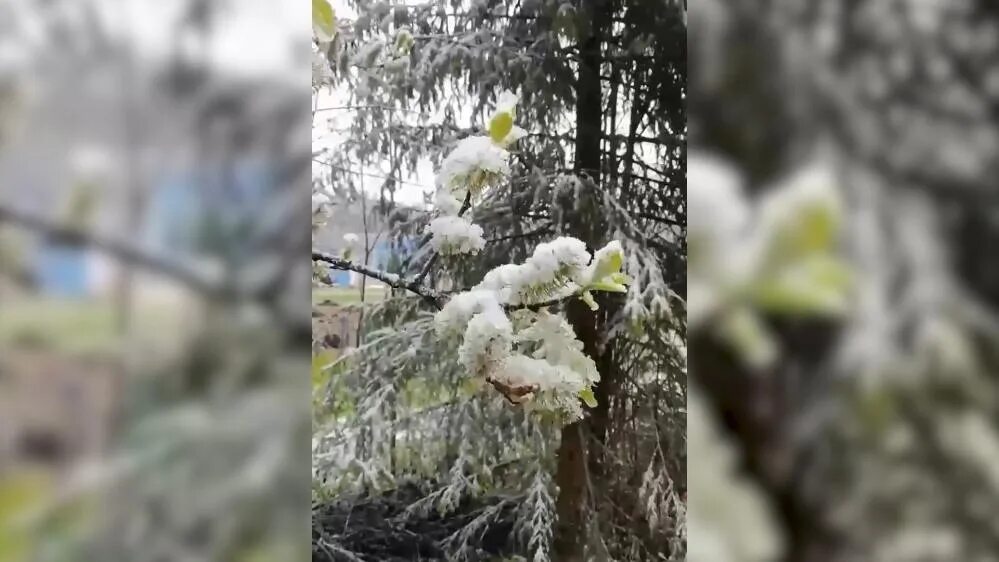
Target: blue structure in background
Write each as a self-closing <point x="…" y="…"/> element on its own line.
<point x="179" y="206"/>
<point x="386" y="255"/>
<point x="61" y="271"/>
<point x="339" y="278"/>
<point x="191" y="214"/>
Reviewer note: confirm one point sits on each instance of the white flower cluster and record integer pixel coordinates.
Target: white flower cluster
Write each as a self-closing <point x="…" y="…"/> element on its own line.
<point x="557" y="366"/>
<point x="474" y="164"/>
<point x="487" y="341"/>
<point x="552" y="271"/>
<point x="462" y="307"/>
<point x="542" y="365"/>
<point x="556" y="369"/>
<point x="455" y="235"/>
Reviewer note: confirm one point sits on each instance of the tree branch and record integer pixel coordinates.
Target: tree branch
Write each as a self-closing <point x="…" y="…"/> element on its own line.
<point x="392" y="280"/>
<point x="117" y="249"/>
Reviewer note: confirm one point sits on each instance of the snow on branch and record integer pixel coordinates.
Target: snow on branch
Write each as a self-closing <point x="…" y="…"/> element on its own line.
<point x="509" y="338"/>
<point x="390" y="279"/>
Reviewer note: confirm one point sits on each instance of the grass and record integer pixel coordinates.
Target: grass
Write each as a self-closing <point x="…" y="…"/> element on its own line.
<point x="345" y="295"/>
<point x="77" y="325"/>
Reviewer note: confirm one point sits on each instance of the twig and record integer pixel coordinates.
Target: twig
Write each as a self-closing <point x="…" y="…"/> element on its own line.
<point x="118" y="249"/>
<point x="427" y="294"/>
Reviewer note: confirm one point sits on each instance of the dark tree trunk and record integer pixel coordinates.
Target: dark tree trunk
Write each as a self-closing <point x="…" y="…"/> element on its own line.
<point x="761" y="410"/>
<point x="571" y="475"/>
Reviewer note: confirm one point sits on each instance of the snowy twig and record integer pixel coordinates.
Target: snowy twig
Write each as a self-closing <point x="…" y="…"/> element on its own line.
<point x="389" y="279"/>
<point x="415" y="286"/>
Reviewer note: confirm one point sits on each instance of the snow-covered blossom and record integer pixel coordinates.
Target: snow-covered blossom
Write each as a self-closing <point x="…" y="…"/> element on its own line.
<point x="460" y="309"/>
<point x="561" y="370"/>
<point x="487" y="342"/>
<point x="446" y="203"/>
<point x="551" y="272"/>
<point x="557" y="343"/>
<point x="507" y="102"/>
<point x="557" y="386"/>
<point x="475" y="164"/>
<point x="455" y="235"/>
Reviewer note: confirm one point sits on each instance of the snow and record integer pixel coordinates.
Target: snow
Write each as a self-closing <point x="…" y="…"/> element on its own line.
<point x="319" y="201"/>
<point x="447" y="203"/>
<point x="460" y="309"/>
<point x="455" y="235"/>
<point x="549" y="273"/>
<point x="487" y="342"/>
<point x="507" y="102"/>
<point x="474" y="164"/>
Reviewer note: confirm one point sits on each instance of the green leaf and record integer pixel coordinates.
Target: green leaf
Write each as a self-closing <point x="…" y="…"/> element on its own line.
<point x="609" y="265"/>
<point x="320" y="367"/>
<point x="610" y="287"/>
<point x="403" y="42"/>
<point x="323" y="20"/>
<point x="811" y="229"/>
<point x="471" y="386"/>
<point x="500" y="126"/>
<point x="588" y="299"/>
<point x="621" y="278"/>
<point x="817" y="285"/>
<point x="745" y="332"/>
<point x="586" y="395"/>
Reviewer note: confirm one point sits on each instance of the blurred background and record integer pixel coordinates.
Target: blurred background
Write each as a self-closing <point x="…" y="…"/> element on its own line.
<point x="154" y="319"/>
<point x="843" y="281"/>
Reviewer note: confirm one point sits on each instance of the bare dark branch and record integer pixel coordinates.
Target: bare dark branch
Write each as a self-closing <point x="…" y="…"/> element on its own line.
<point x="392" y="280"/>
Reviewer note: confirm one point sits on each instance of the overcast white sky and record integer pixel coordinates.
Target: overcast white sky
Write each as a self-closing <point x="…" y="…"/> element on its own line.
<point x="251" y="36"/>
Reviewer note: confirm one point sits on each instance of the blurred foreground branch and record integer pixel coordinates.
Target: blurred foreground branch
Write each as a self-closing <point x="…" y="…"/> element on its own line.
<point x="119" y="249"/>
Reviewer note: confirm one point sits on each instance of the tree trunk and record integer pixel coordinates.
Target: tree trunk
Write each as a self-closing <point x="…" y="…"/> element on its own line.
<point x="571" y="476"/>
<point x="761" y="411"/>
<point x="571" y="504"/>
